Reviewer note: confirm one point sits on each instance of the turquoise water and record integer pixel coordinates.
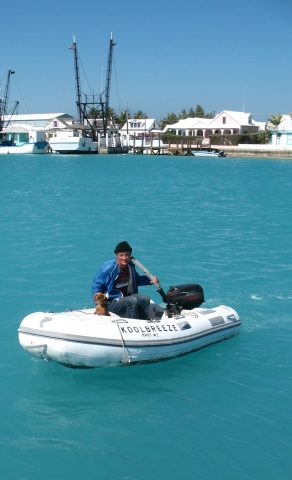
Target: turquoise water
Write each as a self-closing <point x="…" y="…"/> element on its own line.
<point x="223" y="412"/>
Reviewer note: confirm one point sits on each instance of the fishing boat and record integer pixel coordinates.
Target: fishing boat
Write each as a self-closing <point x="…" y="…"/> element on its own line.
<point x="70" y="142"/>
<point x="23" y="139"/>
<point x="81" y="137"/>
<point x="208" y="153"/>
<point x="82" y="339"/>
<point x="18" y="138"/>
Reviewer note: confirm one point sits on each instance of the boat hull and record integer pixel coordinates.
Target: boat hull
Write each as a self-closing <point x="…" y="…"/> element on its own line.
<point x="202" y="153"/>
<point x="73" y="145"/>
<point x="26" y="148"/>
<point x="81" y="339"/>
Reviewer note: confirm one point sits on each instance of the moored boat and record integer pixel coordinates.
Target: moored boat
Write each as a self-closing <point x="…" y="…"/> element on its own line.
<point x="72" y="144"/>
<point x="208" y="153"/>
<point x="23" y="139"/>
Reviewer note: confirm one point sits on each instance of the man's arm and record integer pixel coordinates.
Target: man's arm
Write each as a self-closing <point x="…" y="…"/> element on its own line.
<point x="99" y="283"/>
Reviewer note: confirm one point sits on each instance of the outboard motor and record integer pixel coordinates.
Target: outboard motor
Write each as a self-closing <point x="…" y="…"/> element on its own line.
<point x="186" y="295"/>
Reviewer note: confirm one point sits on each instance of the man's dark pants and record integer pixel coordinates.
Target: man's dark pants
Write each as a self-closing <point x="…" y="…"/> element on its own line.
<point x="132" y="306"/>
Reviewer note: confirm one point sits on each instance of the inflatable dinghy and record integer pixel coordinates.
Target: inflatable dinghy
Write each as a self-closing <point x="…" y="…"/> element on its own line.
<point x="82" y="339"/>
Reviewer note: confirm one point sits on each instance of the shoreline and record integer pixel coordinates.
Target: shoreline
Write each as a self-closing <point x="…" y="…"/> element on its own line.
<point x="241" y="151"/>
<point x="261" y="153"/>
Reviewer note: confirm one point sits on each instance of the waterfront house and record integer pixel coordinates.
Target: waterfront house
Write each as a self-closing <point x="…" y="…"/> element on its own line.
<point x="139" y="126"/>
<point x="141" y="131"/>
<point x="225" y="123"/>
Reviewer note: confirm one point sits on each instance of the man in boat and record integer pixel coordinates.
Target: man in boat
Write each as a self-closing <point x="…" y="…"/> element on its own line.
<point x="118" y="279"/>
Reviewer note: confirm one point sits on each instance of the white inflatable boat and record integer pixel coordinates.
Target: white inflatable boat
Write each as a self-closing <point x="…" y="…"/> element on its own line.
<point x="82" y="339"/>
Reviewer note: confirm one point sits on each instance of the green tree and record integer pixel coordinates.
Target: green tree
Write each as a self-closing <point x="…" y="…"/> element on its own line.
<point x="210" y="115"/>
<point x="111" y="113"/>
<point x="183" y="114"/>
<point x="140" y="114"/>
<point x="200" y="113"/>
<point x="264" y="136"/>
<point x="275" y="120"/>
<point x="192" y="113"/>
<point x="94" y="113"/>
<point x="122" y="118"/>
<point x="170" y="119"/>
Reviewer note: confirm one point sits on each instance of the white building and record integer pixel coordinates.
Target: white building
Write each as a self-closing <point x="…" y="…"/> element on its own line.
<point x="140" y="132"/>
<point x="40" y="120"/>
<point x="282" y="135"/>
<point x="225" y="123"/>
<point x="139" y="126"/>
<point x="64" y="124"/>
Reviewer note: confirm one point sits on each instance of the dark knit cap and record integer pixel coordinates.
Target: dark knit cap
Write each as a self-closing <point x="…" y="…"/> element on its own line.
<point x="123" y="247"/>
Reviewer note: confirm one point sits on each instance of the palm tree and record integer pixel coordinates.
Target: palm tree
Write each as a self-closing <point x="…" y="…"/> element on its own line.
<point x="122" y="118"/>
<point x="140" y="114"/>
<point x="276" y="120"/>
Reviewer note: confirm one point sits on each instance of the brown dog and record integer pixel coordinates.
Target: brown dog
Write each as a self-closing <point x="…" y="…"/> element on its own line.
<point x="100" y="300"/>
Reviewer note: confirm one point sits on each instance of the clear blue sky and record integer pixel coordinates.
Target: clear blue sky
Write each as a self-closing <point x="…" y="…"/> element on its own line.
<point x="169" y="54"/>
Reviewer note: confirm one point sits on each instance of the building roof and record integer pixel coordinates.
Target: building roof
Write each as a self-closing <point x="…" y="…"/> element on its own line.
<point x="66" y="126"/>
<point x="241" y="119"/>
<point x="145" y="123"/>
<point x="187" y="123"/>
<point x="30" y="117"/>
<point x="18" y="128"/>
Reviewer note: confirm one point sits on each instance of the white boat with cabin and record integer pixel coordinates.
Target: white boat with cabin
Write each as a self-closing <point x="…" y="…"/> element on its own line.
<point x="23" y="139"/>
<point x="73" y="144"/>
<point x="72" y="139"/>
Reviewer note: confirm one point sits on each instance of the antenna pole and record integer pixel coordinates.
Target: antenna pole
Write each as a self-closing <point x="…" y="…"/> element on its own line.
<point x="4" y="102"/>
<point x="108" y="79"/>
<point x="77" y="82"/>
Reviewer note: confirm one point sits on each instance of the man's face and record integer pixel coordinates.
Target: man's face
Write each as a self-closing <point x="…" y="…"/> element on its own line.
<point x="123" y="259"/>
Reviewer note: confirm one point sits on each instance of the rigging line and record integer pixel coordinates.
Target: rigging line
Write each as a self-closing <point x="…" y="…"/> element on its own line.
<point x="2" y="81"/>
<point x="104" y="70"/>
<point x="20" y="94"/>
<point x="84" y="74"/>
<point x="65" y="87"/>
<point x="116" y="82"/>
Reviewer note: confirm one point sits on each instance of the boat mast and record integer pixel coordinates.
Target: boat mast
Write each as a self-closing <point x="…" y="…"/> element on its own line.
<point x="93" y="107"/>
<point x="4" y="101"/>
<point x="108" y="79"/>
<point x="77" y="82"/>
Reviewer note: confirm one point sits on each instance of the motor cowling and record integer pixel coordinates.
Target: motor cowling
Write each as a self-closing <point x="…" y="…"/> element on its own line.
<point x="186" y="295"/>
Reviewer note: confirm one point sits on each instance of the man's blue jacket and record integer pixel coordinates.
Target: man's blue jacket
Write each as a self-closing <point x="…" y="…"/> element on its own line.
<point x="108" y="272"/>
